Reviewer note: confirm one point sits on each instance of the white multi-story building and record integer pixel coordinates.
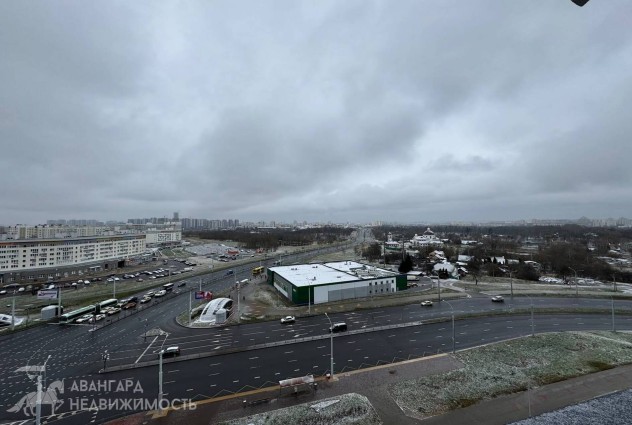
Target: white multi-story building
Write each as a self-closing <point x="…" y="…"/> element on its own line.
<point x="38" y="254"/>
<point x="164" y="236"/>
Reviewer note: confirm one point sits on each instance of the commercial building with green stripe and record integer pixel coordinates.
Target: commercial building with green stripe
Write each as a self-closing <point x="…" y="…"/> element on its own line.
<point x="322" y="283"/>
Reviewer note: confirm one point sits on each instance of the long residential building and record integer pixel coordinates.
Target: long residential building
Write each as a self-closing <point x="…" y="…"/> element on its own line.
<point x="21" y="259"/>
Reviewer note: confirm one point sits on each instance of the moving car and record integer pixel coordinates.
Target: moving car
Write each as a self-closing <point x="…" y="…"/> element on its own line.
<point x="171" y="351"/>
<point x="288" y="319"/>
<point x="96" y="318"/>
<point x="145" y="300"/>
<point x="426" y="303"/>
<point x="113" y="310"/>
<point x="128" y="305"/>
<point x="338" y="327"/>
<point x="83" y="319"/>
<point x="497" y="299"/>
<point x="181" y="284"/>
<point x="160" y="293"/>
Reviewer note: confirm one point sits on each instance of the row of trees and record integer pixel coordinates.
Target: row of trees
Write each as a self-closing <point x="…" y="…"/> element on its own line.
<point x="271" y="239"/>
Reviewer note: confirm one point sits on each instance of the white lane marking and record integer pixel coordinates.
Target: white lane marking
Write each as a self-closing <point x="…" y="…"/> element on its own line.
<point x="139" y="357"/>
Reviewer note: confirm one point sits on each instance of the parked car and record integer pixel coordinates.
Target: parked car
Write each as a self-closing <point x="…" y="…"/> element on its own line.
<point x="288" y="319"/>
<point x="426" y="303"/>
<point x="498" y="299"/>
<point x="171" y="351"/>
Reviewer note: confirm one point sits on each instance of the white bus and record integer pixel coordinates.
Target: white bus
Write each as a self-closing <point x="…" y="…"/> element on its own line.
<point x="70" y="317"/>
<point x="107" y="303"/>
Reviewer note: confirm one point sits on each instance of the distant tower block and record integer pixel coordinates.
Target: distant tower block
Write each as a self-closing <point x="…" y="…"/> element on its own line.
<point x="176" y="216"/>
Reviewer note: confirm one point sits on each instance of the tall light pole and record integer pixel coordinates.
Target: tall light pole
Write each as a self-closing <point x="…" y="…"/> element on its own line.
<point x="532" y="323"/>
<point x="453" y="330"/>
<point x="38" y="405"/>
<point x="511" y="283"/>
<point x="613" y="327"/>
<point x="439" y="287"/>
<point x="160" y="380"/>
<point x="331" y="355"/>
<point x="13" y="311"/>
<point x="576" y="289"/>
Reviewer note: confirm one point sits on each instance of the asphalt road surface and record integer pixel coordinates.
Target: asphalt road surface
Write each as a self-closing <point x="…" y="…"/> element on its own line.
<point x="374" y="336"/>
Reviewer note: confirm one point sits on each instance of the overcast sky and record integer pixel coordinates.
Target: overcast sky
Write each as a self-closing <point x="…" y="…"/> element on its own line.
<point x="420" y="111"/>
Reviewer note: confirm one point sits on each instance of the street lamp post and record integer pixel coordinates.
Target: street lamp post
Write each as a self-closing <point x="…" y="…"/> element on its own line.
<point x="576" y="288"/>
<point x="439" y="287"/>
<point x="38" y="405"/>
<point x="613" y="327"/>
<point x="160" y="379"/>
<point x="13" y="312"/>
<point x="331" y="355"/>
<point x="511" y="283"/>
<point x="453" y="329"/>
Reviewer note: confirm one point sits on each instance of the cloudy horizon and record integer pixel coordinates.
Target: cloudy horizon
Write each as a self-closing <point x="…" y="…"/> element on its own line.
<point x="343" y="111"/>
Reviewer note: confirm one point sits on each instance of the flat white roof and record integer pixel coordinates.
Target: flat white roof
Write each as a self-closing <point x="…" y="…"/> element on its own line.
<point x="302" y="275"/>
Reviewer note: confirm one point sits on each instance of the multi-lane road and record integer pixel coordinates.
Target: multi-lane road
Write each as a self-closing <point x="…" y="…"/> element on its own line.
<point x="233" y="358"/>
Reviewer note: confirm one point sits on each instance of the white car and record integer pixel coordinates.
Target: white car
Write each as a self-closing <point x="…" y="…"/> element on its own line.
<point x="498" y="299"/>
<point x="84" y="318"/>
<point x="160" y="293"/>
<point x="426" y="303"/>
<point x="171" y="351"/>
<point x="288" y="319"/>
<point x="96" y="318"/>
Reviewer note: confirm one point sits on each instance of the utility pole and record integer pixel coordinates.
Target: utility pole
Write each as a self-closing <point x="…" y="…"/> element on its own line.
<point x="613" y="327"/>
<point x="58" y="301"/>
<point x="38" y="406"/>
<point x="189" y="307"/>
<point x="13" y="312"/>
<point x="439" y="287"/>
<point x="331" y="355"/>
<point x="576" y="288"/>
<point x="160" y="380"/>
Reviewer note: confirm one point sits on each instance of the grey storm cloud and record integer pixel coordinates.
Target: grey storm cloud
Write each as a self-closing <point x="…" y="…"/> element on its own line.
<point x="334" y="110"/>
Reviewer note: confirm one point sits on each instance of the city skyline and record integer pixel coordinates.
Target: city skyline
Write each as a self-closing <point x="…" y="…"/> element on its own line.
<point x="319" y="112"/>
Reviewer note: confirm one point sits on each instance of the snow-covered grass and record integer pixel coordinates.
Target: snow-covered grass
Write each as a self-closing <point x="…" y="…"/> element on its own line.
<point x="349" y="408"/>
<point x="612" y="409"/>
<point x="513" y="366"/>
